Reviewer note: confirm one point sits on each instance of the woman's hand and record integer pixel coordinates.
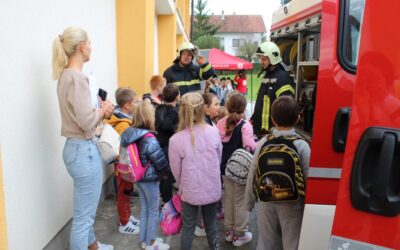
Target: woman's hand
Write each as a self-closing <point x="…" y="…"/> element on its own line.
<point x="106" y="108"/>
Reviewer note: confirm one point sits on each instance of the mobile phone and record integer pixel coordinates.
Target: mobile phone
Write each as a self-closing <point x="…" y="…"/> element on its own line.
<point x="103" y="94"/>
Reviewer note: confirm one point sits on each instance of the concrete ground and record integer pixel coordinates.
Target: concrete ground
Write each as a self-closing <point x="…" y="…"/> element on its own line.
<point x="106" y="229"/>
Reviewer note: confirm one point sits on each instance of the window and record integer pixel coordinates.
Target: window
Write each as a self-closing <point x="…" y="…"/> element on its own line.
<point x="221" y="42"/>
<point x="351" y="14"/>
<point x="235" y="43"/>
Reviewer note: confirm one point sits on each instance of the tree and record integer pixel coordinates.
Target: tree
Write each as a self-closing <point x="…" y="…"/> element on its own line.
<point x="201" y="23"/>
<point x="207" y="42"/>
<point x="246" y="50"/>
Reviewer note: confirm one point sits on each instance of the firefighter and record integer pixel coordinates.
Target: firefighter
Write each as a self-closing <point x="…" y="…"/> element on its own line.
<point x="275" y="82"/>
<point x="185" y="73"/>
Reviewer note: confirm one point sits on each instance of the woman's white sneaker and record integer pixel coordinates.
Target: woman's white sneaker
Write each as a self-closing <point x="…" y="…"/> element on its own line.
<point x="158" y="246"/>
<point x="143" y="245"/>
<point x="102" y="246"/>
<point x="241" y="240"/>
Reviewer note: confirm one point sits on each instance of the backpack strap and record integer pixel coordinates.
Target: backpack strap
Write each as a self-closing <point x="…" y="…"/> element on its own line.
<point x="148" y="135"/>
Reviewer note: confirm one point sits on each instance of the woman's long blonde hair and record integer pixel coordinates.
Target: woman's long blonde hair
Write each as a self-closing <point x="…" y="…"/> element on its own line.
<point x="144" y="115"/>
<point x="64" y="46"/>
<point x="191" y="112"/>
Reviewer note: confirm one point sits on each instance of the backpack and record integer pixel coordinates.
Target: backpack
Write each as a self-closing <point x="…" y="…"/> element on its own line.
<point x="278" y="172"/>
<point x="109" y="143"/>
<point x="237" y="167"/>
<point x="229" y="147"/>
<point x="170" y="216"/>
<point x="130" y="166"/>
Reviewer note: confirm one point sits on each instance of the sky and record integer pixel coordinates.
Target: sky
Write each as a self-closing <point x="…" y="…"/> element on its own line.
<point x="245" y="7"/>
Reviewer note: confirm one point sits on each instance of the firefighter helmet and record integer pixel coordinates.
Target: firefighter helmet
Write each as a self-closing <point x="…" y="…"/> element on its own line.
<point x="194" y="50"/>
<point x="270" y="50"/>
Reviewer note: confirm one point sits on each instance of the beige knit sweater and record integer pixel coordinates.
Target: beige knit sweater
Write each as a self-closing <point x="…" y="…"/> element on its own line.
<point x="78" y="115"/>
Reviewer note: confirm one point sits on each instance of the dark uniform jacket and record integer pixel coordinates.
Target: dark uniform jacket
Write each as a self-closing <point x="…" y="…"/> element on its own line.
<point x="276" y="82"/>
<point x="149" y="150"/>
<point x="188" y="78"/>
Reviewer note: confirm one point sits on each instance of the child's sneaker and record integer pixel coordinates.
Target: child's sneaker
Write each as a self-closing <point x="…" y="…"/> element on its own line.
<point x="158" y="246"/>
<point x="241" y="240"/>
<point x="229" y="236"/>
<point x="102" y="246"/>
<point x="160" y="240"/>
<point x="134" y="221"/>
<point x="200" y="232"/>
<point x="129" y="228"/>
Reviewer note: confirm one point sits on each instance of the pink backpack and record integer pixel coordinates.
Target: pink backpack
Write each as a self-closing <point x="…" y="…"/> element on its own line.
<point x="130" y="166"/>
<point x="170" y="216"/>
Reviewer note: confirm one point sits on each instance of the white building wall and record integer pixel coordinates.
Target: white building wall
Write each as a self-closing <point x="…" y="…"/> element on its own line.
<point x="228" y="37"/>
<point x="38" y="189"/>
<point x="155" y="68"/>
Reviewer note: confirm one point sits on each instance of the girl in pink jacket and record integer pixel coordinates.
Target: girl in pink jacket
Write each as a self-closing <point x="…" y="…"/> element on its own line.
<point x="194" y="154"/>
<point x="235" y="133"/>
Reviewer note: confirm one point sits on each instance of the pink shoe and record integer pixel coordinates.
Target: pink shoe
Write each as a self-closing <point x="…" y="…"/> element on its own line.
<point x="241" y="240"/>
<point x="229" y="236"/>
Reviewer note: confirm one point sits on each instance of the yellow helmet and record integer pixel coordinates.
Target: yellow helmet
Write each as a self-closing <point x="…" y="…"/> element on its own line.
<point x="270" y="50"/>
<point x="194" y="50"/>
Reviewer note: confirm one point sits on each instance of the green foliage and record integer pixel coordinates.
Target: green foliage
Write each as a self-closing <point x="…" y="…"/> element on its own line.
<point x="201" y="25"/>
<point x="247" y="50"/>
<point x="207" y="42"/>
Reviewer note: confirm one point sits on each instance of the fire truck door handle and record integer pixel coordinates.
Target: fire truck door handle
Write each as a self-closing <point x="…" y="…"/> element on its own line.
<point x="374" y="185"/>
<point x="382" y="171"/>
<point x="340" y="129"/>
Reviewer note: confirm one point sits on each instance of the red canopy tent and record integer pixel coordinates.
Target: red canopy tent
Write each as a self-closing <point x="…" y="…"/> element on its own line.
<point x="222" y="61"/>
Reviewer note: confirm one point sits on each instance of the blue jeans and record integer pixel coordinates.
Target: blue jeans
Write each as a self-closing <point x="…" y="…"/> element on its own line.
<point x="149" y="212"/>
<point x="83" y="163"/>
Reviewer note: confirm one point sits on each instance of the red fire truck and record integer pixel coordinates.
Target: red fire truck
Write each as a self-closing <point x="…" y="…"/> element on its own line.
<point x="346" y="67"/>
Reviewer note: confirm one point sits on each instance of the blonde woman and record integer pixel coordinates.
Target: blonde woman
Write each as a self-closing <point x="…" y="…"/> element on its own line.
<point x="195" y="156"/>
<point x="152" y="155"/>
<point x="79" y="117"/>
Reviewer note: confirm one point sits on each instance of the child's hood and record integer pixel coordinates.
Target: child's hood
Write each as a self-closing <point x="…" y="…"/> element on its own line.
<point x="131" y="135"/>
<point x="115" y="120"/>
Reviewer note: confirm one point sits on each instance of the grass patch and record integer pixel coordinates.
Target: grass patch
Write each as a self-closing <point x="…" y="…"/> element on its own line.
<point x="253" y="84"/>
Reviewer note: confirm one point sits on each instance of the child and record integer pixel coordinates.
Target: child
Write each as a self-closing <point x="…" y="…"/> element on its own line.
<point x="235" y="133"/>
<point x="195" y="153"/>
<point x="279" y="222"/>
<point x="121" y="120"/>
<point x="167" y="119"/>
<point x="222" y="112"/>
<point x="150" y="152"/>
<point x="211" y="107"/>
<point x="157" y="84"/>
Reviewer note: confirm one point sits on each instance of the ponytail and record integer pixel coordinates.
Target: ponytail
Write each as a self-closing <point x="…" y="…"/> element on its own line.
<point x="231" y="121"/>
<point x="64" y="46"/>
<point x="236" y="106"/>
<point x="60" y="58"/>
<point x="191" y="112"/>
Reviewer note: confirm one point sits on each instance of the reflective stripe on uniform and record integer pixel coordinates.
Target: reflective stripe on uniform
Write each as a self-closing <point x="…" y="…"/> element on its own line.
<point x="329" y="173"/>
<point x="283" y="89"/>
<point x="265" y="113"/>
<point x="188" y="83"/>
<point x="207" y="68"/>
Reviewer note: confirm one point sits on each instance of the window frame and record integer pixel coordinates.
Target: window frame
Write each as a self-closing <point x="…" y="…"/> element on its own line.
<point x="343" y="59"/>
